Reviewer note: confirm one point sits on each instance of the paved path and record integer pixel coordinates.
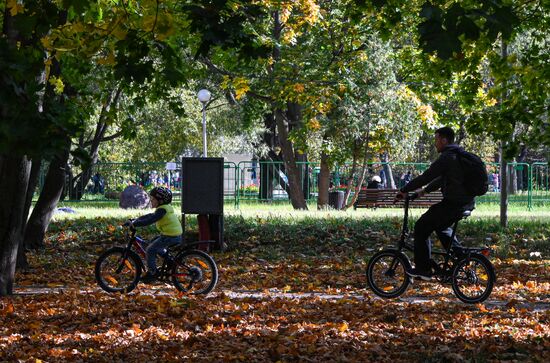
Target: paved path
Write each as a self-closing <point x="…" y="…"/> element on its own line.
<point x="277" y="294"/>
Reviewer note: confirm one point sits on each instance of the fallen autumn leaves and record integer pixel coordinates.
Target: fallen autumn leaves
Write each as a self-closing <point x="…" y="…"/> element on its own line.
<point x="80" y="322"/>
<point x="103" y="327"/>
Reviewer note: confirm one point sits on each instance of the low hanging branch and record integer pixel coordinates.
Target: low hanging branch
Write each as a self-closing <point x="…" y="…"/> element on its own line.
<point x="102" y="126"/>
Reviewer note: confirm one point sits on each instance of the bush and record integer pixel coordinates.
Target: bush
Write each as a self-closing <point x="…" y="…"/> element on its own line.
<point x="250" y="189"/>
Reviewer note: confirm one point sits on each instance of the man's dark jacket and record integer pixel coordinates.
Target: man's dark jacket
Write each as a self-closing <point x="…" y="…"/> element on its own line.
<point x="445" y="173"/>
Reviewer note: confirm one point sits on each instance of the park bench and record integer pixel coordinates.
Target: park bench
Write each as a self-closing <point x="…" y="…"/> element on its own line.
<point x="383" y="198"/>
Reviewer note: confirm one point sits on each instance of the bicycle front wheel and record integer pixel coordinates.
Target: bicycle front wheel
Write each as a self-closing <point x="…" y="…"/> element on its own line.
<point x="386" y="273"/>
<point x="195" y="272"/>
<point x="473" y="279"/>
<point x="118" y="270"/>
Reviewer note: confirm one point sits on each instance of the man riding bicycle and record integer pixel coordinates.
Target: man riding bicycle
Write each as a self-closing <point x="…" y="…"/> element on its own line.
<point x="446" y="173"/>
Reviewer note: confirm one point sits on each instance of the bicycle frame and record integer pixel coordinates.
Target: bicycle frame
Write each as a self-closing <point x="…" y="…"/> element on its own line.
<point x="447" y="255"/>
<point x="135" y="242"/>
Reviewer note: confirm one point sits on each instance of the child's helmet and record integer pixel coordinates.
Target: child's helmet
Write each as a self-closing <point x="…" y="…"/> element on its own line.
<point x="162" y="194"/>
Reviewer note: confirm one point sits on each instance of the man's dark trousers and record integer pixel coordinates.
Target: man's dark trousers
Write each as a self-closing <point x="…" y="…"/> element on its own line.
<point x="439" y="218"/>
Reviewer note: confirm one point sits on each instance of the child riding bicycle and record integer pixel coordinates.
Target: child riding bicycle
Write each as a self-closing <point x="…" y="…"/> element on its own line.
<point x="167" y="224"/>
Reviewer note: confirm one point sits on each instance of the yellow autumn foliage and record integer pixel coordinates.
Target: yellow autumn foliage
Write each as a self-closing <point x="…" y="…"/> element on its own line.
<point x="314" y="124"/>
<point x="58" y="84"/>
<point x="299" y="87"/>
<point x="426" y="113"/>
<point x="15" y="7"/>
<point x="241" y="86"/>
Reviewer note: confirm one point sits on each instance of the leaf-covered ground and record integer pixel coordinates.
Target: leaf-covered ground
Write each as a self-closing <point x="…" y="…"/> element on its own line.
<point x="263" y="309"/>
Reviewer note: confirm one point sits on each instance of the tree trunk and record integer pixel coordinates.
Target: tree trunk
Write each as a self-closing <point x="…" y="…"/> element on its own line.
<point x="351" y="176"/>
<point x="294" y="119"/>
<point x="390" y="183"/>
<point x="303" y="169"/>
<point x="68" y="189"/>
<point x="14" y="180"/>
<point x="362" y="176"/>
<point x="266" y="180"/>
<point x="503" y="162"/>
<point x="503" y="189"/>
<point x="324" y="183"/>
<point x="521" y="173"/>
<point x="73" y="184"/>
<point x="512" y="180"/>
<point x="47" y="201"/>
<point x="283" y="127"/>
<point x="294" y="183"/>
<point x="22" y="262"/>
<point x="33" y="183"/>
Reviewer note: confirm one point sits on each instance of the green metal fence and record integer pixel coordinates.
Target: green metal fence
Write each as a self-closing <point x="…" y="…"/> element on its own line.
<point x="109" y="180"/>
<point x="529" y="184"/>
<point x="251" y="186"/>
<point x="266" y="181"/>
<point x="230" y="182"/>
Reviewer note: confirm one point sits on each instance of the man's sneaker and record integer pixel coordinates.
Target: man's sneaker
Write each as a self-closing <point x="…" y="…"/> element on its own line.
<point x="426" y="276"/>
<point x="148" y="278"/>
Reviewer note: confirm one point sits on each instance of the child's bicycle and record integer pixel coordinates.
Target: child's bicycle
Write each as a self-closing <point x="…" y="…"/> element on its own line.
<point x="467" y="269"/>
<point x="119" y="269"/>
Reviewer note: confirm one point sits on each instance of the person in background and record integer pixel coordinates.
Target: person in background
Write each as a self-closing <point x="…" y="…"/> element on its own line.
<point x="407" y="178"/>
<point x="496" y="182"/>
<point x="375" y="183"/>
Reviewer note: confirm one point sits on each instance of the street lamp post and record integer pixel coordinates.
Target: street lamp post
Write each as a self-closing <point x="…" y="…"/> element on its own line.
<point x="204" y="97"/>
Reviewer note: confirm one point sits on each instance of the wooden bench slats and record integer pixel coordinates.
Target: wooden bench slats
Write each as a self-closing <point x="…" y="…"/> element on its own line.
<point x="383" y="198"/>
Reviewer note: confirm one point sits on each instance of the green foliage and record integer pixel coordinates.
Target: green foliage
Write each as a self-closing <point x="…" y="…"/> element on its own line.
<point x="31" y="123"/>
<point x="481" y="87"/>
<point x="445" y="28"/>
<point x="522" y="81"/>
<point x="162" y="132"/>
<point x="227" y="24"/>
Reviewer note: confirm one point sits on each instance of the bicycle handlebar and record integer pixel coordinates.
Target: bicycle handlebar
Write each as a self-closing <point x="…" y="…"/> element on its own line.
<point x="130" y="227"/>
<point x="128" y="223"/>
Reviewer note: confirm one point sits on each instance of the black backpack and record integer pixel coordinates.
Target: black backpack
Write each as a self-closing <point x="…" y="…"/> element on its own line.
<point x="476" y="180"/>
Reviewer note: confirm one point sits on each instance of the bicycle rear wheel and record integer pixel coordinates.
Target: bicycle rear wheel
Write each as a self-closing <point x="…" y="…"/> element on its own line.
<point x="116" y="273"/>
<point x="194" y="272"/>
<point x="473" y="279"/>
<point x="386" y="273"/>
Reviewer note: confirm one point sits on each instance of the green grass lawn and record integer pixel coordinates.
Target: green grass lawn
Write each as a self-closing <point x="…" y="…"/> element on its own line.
<point x="484" y="211"/>
<point x="528" y="231"/>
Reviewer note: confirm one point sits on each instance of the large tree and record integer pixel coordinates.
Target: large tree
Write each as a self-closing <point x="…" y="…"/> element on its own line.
<point x="39" y="108"/>
<point x="35" y="118"/>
